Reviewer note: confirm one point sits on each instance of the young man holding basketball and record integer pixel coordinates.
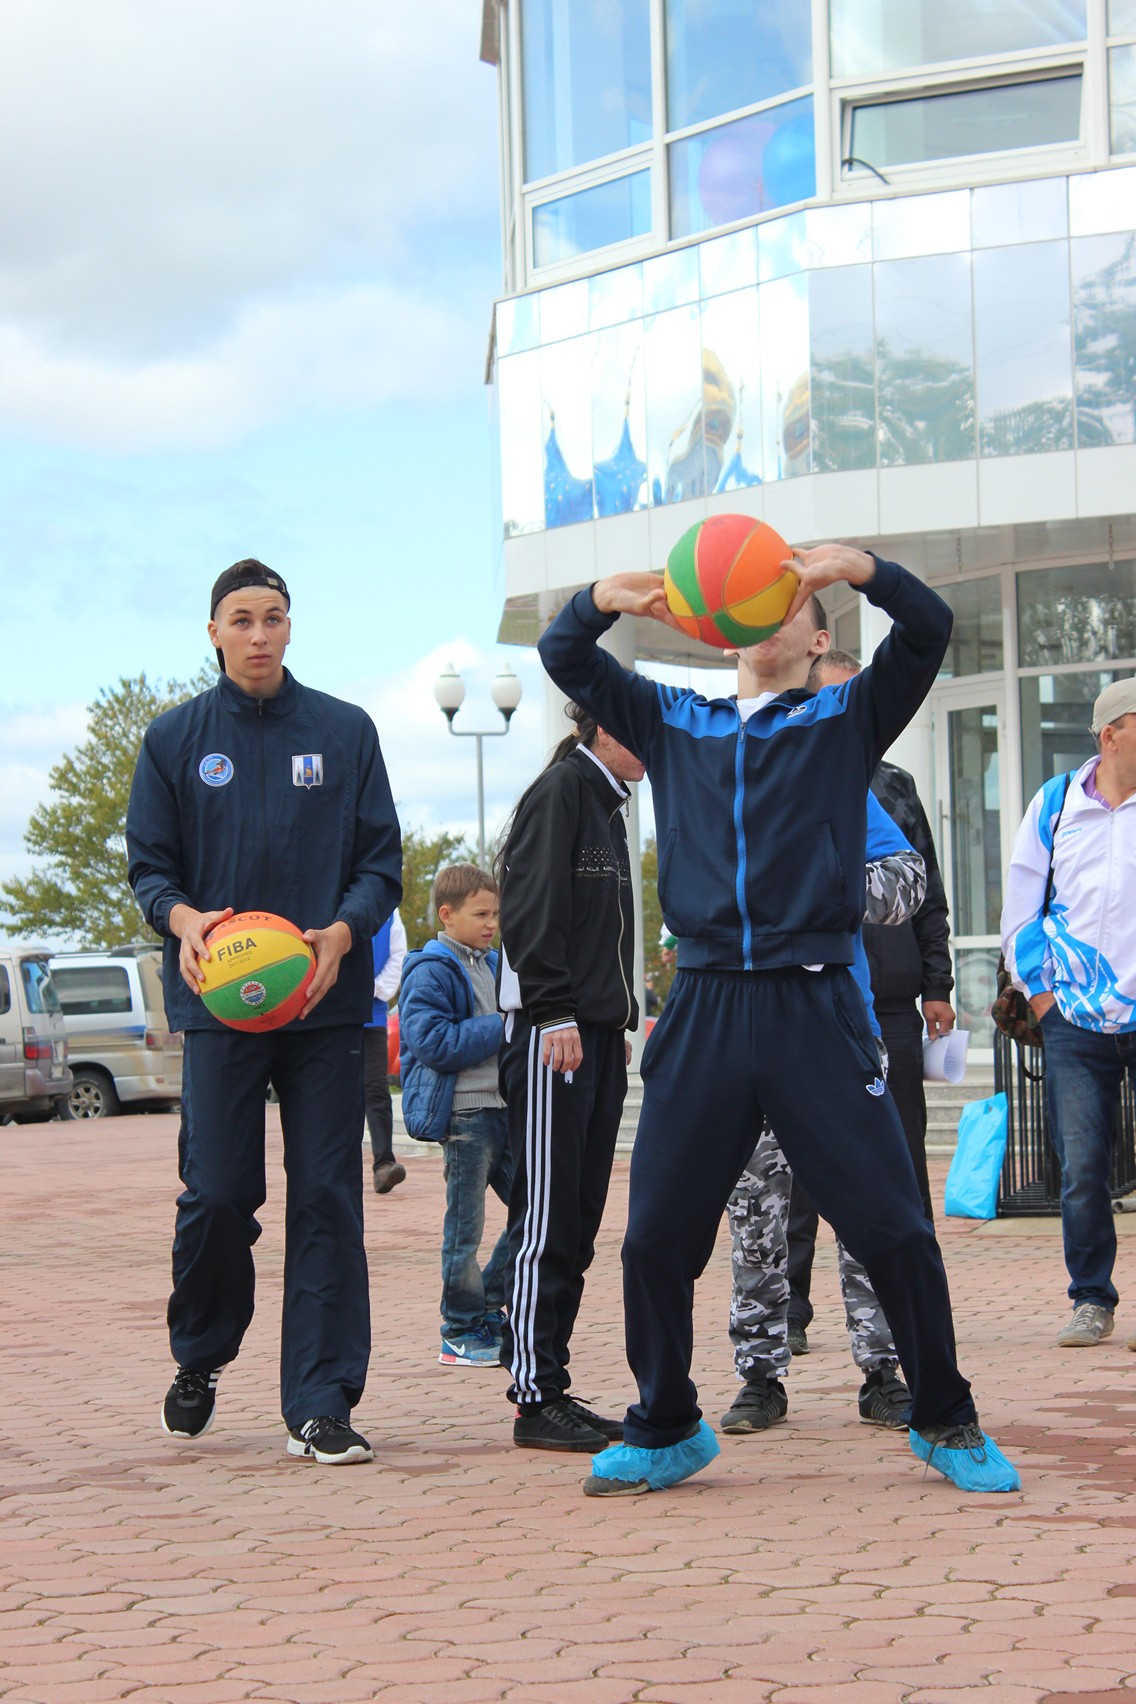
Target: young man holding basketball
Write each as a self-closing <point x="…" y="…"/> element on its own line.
<point x="261" y="794"/>
<point x="760" y="809"/>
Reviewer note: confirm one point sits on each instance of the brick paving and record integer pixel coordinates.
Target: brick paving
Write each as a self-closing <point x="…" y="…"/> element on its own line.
<point x="813" y="1564"/>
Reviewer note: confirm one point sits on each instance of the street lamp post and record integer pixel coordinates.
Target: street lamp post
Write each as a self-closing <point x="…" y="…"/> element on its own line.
<point x="449" y="690"/>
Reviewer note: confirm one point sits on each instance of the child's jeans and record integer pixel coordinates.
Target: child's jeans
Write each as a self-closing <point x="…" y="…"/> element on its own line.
<point x="476" y="1157"/>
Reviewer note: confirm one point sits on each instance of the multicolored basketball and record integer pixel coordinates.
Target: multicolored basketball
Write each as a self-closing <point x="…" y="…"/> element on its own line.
<point x="257" y="972"/>
<point x="726" y="581"/>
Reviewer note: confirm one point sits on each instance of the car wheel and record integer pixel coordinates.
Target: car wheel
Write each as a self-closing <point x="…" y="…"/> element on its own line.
<point x="92" y="1096"/>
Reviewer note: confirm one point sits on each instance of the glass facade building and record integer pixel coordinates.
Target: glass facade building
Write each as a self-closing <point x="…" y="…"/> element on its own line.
<point x="864" y="269"/>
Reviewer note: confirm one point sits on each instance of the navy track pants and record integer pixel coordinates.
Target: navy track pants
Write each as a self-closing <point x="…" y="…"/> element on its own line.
<point x="793" y="1046"/>
<point x="562" y="1136"/>
<point x="325" y="1327"/>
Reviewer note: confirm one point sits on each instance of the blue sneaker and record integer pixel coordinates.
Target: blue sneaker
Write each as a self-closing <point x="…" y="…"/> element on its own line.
<point x="476" y="1348"/>
<point x="626" y="1471"/>
<point x="965" y="1456"/>
<point x="495" y="1322"/>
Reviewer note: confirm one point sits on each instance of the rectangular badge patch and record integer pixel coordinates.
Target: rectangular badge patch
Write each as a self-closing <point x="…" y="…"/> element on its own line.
<point x="307" y="771"/>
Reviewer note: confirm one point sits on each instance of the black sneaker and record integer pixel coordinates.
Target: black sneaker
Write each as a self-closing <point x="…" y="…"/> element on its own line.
<point x="558" y="1425"/>
<point x="884" y="1398"/>
<point x="612" y="1430"/>
<point x="760" y="1403"/>
<point x="329" y="1440"/>
<point x="190" y="1402"/>
<point x="798" y="1342"/>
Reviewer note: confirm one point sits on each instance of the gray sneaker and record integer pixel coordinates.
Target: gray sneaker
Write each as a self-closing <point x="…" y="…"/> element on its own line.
<point x="1089" y="1324"/>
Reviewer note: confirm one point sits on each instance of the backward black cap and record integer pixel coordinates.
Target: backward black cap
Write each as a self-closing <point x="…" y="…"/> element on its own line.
<point x="248" y="572"/>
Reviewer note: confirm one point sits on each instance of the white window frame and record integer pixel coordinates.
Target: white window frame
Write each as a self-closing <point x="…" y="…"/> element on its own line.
<point x="1044" y="160"/>
<point x="609" y="170"/>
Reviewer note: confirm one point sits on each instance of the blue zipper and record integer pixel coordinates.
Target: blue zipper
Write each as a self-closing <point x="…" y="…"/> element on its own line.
<point x="739" y="835"/>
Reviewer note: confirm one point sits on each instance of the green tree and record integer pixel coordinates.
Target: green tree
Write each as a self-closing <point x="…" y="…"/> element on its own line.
<point x="79" y="892"/>
<point x="658" y="968"/>
<point x="422" y="857"/>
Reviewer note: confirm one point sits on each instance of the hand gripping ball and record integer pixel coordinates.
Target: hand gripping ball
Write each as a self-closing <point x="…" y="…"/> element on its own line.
<point x="726" y="581"/>
<point x="257" y="972"/>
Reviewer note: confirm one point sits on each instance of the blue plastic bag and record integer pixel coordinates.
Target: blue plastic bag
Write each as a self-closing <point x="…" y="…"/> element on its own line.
<point x="972" y="1181"/>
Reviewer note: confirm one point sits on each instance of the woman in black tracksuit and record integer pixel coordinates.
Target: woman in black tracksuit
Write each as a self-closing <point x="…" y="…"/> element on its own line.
<point x="565" y="984"/>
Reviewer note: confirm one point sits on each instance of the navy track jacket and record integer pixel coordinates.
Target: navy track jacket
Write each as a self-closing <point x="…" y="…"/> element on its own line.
<point x="761" y="824"/>
<point x="276" y="804"/>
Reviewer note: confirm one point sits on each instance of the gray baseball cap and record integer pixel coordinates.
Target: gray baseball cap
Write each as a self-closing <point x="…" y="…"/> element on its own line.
<point x="1115" y="701"/>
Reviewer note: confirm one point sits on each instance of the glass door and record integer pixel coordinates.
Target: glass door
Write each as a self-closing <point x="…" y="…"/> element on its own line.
<point x="969" y="742"/>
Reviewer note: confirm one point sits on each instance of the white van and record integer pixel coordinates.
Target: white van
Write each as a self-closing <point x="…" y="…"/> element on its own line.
<point x="34" y="1079"/>
<point x="119" y="1044"/>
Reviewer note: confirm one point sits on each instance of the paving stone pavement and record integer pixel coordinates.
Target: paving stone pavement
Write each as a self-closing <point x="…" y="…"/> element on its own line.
<point x="813" y="1564"/>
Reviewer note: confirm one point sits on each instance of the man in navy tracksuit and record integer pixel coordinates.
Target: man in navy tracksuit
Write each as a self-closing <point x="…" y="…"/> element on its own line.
<point x="261" y="794"/>
<point x="760" y="807"/>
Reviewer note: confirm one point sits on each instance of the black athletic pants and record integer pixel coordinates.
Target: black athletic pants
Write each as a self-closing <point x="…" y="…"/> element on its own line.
<point x="901" y="1030"/>
<point x="377" y="1095"/>
<point x="793" y="1046"/>
<point x="325" y="1327"/>
<point x="562" y="1136"/>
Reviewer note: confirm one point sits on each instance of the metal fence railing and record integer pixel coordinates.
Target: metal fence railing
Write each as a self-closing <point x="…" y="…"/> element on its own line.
<point x="1031" y="1178"/>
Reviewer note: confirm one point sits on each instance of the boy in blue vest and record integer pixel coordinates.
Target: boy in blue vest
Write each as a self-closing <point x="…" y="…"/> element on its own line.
<point x="450" y="1033"/>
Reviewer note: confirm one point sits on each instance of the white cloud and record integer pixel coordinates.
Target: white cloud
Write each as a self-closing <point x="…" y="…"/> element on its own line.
<point x="433" y="773"/>
<point x="32" y="739"/>
<point x="356" y="349"/>
<point x="223" y="214"/>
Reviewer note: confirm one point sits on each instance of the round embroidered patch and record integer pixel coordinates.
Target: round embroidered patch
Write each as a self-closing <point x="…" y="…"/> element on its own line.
<point x="216" y="770"/>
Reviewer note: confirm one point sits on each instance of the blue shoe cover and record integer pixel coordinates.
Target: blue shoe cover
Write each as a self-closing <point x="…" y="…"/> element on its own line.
<point x="660" y="1468"/>
<point x="973" y="1462"/>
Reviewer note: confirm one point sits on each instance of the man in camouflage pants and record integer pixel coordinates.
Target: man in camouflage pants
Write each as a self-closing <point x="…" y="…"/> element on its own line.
<point x="759" y="1211"/>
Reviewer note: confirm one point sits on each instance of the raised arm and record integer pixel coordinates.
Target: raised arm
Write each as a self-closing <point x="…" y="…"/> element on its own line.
<point x="623" y="702"/>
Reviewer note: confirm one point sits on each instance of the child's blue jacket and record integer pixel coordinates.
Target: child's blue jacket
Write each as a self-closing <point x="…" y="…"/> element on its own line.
<point x="438" y="1036"/>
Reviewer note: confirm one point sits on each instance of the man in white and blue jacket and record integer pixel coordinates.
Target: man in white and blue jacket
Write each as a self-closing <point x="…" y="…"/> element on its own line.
<point x="1069" y="938"/>
<point x="263" y="795"/>
<point x="760" y="810"/>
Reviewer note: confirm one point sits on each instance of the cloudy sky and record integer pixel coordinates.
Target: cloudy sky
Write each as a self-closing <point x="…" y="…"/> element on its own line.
<point x="249" y="255"/>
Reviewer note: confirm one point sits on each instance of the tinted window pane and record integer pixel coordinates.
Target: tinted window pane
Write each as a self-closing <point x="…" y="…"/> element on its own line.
<point x="591" y="219"/>
<point x="1026" y="212"/>
<point x="743" y="169"/>
<point x="1104" y="322"/>
<point x="769" y="53"/>
<point x="1122" y="92"/>
<point x="1076" y="615"/>
<point x="675" y="390"/>
<point x="881" y="35"/>
<point x="91" y="989"/>
<point x="1025" y="357"/>
<point x="976" y="638"/>
<point x="519" y="412"/>
<point x="619" y="419"/>
<point x="615" y="296"/>
<point x="1056" y="712"/>
<point x="970" y="121"/>
<point x="731" y="366"/>
<point x="976" y="800"/>
<point x="786" y="424"/>
<point x="38" y="991"/>
<point x="924" y="355"/>
<point x="728" y="263"/>
<point x="842" y="379"/>
<point x="566" y="392"/>
<point x="587" y="81"/>
<point x="1122" y="17"/>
